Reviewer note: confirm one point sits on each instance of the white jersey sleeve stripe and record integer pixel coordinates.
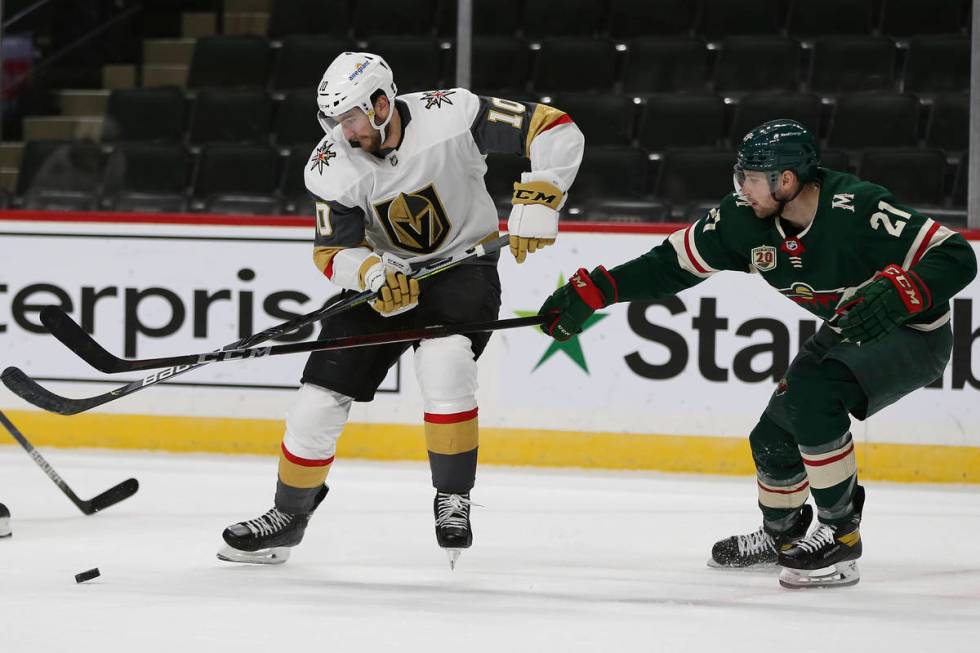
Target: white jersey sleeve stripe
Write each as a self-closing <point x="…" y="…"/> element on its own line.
<point x="930" y="235"/>
<point x="687" y="253"/>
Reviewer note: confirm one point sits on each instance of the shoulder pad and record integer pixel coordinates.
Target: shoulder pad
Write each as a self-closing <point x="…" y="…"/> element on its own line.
<point x="331" y="173"/>
<point x="853" y="194"/>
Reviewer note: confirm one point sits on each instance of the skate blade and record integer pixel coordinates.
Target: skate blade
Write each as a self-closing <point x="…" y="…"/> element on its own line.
<point x="272" y="556"/>
<point x="453" y="555"/>
<point x="843" y="574"/>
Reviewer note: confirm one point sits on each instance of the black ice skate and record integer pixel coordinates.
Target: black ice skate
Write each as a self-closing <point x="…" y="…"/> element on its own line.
<point x="827" y="557"/>
<point x="453" y="532"/>
<point x="759" y="549"/>
<point x="5" y="522"/>
<point x="266" y="540"/>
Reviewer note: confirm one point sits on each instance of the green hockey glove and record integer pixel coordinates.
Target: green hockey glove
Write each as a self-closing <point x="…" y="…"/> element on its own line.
<point x="877" y="309"/>
<point x="571" y="305"/>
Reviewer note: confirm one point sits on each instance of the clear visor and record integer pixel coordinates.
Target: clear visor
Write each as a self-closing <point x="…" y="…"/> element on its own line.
<point x="738" y="175"/>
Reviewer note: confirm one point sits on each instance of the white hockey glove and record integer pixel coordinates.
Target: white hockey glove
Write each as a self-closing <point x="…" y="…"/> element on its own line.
<point x="533" y="221"/>
<point x="389" y="276"/>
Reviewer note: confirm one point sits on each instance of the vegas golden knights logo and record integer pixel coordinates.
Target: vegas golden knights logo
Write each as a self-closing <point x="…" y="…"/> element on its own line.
<point x="415" y="221"/>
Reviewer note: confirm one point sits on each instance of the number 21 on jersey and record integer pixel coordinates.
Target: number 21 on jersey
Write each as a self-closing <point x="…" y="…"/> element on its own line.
<point x="885" y="217"/>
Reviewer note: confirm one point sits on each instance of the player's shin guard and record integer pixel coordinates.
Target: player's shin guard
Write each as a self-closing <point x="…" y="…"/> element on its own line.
<point x="306" y="453"/>
<point x="783" y="489"/>
<point x="827" y="557"/>
<point x="313" y="426"/>
<point x="446" y="371"/>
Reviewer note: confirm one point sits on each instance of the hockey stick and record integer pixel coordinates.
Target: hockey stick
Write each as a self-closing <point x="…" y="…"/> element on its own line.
<point x="75" y="338"/>
<point x="110" y="497"/>
<point x="113" y="365"/>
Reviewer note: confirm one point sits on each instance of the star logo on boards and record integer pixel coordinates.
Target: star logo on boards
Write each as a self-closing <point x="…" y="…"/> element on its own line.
<point x="321" y="158"/>
<point x="571" y="347"/>
<point x="436" y="98"/>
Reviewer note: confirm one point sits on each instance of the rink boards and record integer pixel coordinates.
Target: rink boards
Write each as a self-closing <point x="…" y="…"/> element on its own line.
<point x="670" y="386"/>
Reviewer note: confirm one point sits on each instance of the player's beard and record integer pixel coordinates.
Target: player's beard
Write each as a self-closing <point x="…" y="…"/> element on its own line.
<point x="372" y="144"/>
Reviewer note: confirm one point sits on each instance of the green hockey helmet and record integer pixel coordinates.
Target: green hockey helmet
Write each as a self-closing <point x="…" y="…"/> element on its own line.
<point x="776" y="146"/>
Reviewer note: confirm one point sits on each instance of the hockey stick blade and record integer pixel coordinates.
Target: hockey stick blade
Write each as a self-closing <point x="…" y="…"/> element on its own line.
<point x="70" y="334"/>
<point x="110" y="497"/>
<point x="342" y="342"/>
<point x="30" y="391"/>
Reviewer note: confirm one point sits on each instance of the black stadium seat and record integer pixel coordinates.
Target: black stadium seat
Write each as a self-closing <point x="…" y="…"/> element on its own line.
<point x="500" y="66"/>
<point x="908" y="17"/>
<point x="675" y="120"/>
<point x="237" y="179"/>
<point x="296" y="199"/>
<point x="145" y="114"/>
<point x="962" y="183"/>
<point x="624" y="210"/>
<point x="758" y="63"/>
<point x="497" y="18"/>
<point x="415" y="62"/>
<point x="230" y="61"/>
<point x="634" y="18"/>
<point x="575" y="65"/>
<point x="296" y="122"/>
<point x="949" y="122"/>
<point x="695" y="177"/>
<point x="937" y="64"/>
<point x="231" y="115"/>
<point x="303" y="59"/>
<point x="867" y="120"/>
<point x="664" y="64"/>
<point x="835" y="160"/>
<point x="146" y="178"/>
<point x="807" y="19"/>
<point x="915" y="175"/>
<point x="289" y="17"/>
<point x="604" y="119"/>
<point x="384" y="17"/>
<point x="721" y="18"/>
<point x="753" y="110"/>
<point x="545" y="19"/>
<point x="843" y="64"/>
<point x="611" y="171"/>
<point x="59" y="175"/>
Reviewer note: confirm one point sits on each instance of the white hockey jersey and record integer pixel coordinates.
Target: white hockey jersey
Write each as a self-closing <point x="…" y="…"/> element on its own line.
<point x="427" y="197"/>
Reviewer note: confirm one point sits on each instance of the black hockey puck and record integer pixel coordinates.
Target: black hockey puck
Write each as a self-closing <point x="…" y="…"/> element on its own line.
<point x="87" y="575"/>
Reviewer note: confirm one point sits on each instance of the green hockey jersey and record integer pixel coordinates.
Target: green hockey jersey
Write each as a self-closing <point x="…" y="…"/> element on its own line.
<point x="859" y="228"/>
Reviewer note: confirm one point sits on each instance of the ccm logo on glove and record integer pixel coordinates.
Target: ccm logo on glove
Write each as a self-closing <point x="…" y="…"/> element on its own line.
<point x="536" y="192"/>
<point x="907" y="290"/>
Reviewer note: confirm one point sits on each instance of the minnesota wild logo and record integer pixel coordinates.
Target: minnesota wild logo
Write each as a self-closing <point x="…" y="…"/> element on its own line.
<point x="321" y="157"/>
<point x="436" y="98"/>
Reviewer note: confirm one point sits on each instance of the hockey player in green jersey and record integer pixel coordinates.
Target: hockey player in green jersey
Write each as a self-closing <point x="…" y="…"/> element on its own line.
<point x="879" y="275"/>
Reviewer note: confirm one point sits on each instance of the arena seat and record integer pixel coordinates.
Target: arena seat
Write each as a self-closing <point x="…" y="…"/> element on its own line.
<point x="145" y="114"/>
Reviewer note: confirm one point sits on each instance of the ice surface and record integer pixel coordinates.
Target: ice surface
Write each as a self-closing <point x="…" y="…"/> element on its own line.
<point x="569" y="560"/>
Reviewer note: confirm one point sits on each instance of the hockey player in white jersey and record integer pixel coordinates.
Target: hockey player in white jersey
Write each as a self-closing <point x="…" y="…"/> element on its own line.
<point x="400" y="177"/>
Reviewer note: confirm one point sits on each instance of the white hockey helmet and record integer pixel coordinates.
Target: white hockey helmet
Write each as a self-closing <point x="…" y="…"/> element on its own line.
<point x="349" y="82"/>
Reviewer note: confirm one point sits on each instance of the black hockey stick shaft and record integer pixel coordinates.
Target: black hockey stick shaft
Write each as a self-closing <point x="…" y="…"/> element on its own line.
<point x="340" y="342"/>
<point x="75" y="338"/>
<point x="110" y="497"/>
